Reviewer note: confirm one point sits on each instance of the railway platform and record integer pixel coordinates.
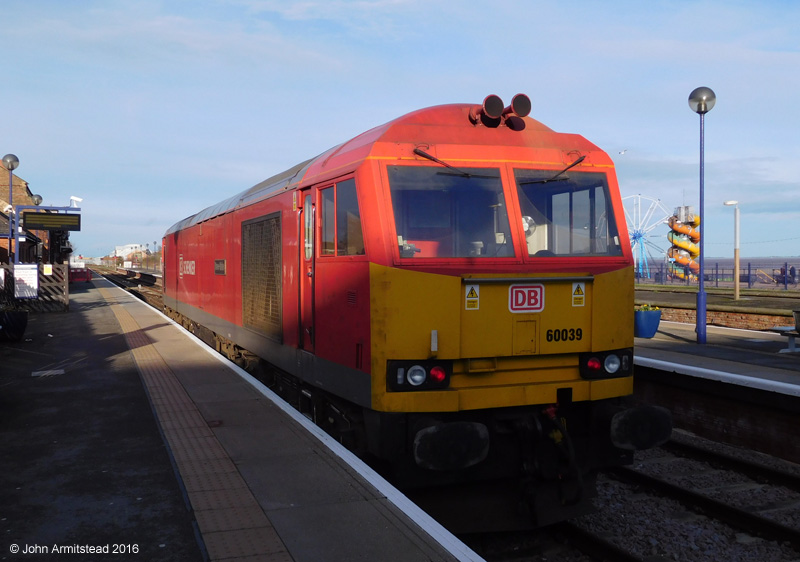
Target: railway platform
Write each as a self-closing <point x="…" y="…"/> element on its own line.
<point x="122" y="434"/>
<point x="746" y="357"/>
<point x="741" y="387"/>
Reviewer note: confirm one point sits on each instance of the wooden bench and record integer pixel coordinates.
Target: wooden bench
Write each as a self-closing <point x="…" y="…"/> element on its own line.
<point x="789" y="332"/>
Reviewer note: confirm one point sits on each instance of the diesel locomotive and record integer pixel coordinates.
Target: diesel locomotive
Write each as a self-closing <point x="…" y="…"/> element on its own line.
<point x="449" y="294"/>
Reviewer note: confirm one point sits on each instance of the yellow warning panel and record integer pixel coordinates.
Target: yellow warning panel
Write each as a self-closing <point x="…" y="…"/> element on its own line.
<point x="579" y="294"/>
<point x="473" y="297"/>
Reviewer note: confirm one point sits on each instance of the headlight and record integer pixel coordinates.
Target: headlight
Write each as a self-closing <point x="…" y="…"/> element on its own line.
<point x="416" y="375"/>
<point x="611" y="363"/>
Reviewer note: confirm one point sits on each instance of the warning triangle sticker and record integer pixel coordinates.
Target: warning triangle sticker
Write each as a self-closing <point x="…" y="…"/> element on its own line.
<point x="578" y="290"/>
<point x="472" y="293"/>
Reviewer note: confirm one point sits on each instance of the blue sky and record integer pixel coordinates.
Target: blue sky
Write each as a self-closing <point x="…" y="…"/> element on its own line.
<point x="151" y="110"/>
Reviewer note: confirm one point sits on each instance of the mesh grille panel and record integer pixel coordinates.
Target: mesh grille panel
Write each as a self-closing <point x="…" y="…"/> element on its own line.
<point x="261" y="276"/>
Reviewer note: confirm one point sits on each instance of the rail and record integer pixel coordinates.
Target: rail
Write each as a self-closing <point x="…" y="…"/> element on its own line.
<point x="742" y="518"/>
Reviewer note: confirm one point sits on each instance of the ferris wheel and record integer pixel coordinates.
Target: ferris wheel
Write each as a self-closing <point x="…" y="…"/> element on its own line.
<point x="644" y="214"/>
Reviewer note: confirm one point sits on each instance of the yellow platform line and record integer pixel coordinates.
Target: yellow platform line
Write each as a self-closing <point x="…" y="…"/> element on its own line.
<point x="233" y="525"/>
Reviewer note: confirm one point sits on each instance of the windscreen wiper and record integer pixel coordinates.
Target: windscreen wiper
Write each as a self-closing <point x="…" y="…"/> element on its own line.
<point x="555" y="177"/>
<point x="457" y="171"/>
<point x="432" y="158"/>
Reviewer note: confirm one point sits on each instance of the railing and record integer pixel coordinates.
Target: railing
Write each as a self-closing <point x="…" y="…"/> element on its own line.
<point x="52" y="294"/>
<point x="761" y="275"/>
<point x="150" y="263"/>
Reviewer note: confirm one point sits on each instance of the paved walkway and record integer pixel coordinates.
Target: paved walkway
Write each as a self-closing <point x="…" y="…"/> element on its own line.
<point x="81" y="458"/>
<point x="85" y="463"/>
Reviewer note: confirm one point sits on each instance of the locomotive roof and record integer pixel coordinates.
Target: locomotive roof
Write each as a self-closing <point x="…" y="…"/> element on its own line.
<point x="277" y="182"/>
<point x="440" y="123"/>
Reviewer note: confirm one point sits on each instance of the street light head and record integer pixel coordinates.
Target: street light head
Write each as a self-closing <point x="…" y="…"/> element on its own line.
<point x="36" y="199"/>
<point x="702" y="100"/>
<point x="10" y="162"/>
<point x="730" y="203"/>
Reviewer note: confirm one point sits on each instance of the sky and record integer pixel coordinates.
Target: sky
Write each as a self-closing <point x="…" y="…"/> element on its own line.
<point x="152" y="110"/>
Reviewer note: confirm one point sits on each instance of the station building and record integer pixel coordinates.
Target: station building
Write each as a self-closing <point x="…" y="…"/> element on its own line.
<point x="36" y="246"/>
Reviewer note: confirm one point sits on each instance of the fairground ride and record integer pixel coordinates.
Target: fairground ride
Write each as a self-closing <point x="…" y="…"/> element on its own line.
<point x="645" y="214"/>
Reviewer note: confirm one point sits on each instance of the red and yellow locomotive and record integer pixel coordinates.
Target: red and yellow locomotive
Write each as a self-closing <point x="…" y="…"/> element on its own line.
<point x="450" y="294"/>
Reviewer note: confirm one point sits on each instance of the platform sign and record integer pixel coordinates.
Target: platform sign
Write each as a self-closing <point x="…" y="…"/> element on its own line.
<point x="51" y="221"/>
<point x="26" y="281"/>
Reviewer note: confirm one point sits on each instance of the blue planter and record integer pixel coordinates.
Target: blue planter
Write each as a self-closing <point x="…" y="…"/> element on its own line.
<point x="645" y="323"/>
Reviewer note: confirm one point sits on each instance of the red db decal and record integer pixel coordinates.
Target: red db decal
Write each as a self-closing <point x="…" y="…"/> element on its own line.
<point x="526" y="298"/>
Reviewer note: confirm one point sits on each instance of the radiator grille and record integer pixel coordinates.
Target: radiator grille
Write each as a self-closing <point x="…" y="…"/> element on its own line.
<point x="261" y="276"/>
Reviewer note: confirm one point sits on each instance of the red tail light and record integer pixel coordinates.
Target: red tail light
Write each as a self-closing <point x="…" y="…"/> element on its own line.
<point x="438" y="374"/>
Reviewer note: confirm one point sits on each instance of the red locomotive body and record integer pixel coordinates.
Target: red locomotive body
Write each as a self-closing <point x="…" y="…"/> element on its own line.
<point x="448" y="293"/>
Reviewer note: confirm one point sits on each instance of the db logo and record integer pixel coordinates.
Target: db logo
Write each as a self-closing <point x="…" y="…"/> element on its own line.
<point x="526" y="298"/>
<point x="185" y="267"/>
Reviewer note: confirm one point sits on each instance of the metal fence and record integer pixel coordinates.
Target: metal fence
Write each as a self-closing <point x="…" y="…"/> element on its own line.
<point x="752" y="275"/>
<point x="52" y="294"/>
<point x="150" y="262"/>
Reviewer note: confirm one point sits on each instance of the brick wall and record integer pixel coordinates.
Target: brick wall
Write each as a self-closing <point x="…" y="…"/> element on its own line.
<point x="729" y="319"/>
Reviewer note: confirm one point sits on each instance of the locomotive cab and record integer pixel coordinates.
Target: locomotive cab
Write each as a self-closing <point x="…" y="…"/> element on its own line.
<point x="501" y="314"/>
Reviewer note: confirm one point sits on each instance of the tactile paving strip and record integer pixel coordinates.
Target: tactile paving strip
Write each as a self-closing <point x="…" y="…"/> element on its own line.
<point x="233" y="525"/>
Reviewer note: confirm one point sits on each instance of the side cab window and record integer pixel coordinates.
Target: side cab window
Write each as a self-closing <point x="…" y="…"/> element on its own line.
<point x="341" y="231"/>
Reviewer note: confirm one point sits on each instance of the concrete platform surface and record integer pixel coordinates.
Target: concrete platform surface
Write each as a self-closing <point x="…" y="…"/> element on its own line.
<point x="743" y="357"/>
<point x="103" y="406"/>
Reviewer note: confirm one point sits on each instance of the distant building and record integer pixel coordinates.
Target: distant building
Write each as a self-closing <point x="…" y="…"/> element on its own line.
<point x="83" y="261"/>
<point x="130" y="252"/>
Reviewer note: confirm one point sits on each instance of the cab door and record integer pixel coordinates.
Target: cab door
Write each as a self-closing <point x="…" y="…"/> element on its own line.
<point x="306" y="282"/>
<point x="169" y="265"/>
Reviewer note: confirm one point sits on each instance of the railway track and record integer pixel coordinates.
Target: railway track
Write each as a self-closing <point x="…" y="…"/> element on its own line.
<point x="141" y="288"/>
<point x="689" y="500"/>
<point x="562" y="542"/>
<point x="702" y="501"/>
<point x="743" y="493"/>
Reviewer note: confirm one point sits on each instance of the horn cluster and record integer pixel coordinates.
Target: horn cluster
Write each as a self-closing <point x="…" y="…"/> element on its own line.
<point x="492" y="112"/>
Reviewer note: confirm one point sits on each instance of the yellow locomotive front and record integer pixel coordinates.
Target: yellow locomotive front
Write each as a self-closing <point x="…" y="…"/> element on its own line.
<point x="501" y="325"/>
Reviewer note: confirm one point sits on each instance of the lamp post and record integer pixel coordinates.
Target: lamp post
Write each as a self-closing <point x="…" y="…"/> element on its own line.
<point x="735" y="205"/>
<point x="701" y="101"/>
<point x="10" y="162"/>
